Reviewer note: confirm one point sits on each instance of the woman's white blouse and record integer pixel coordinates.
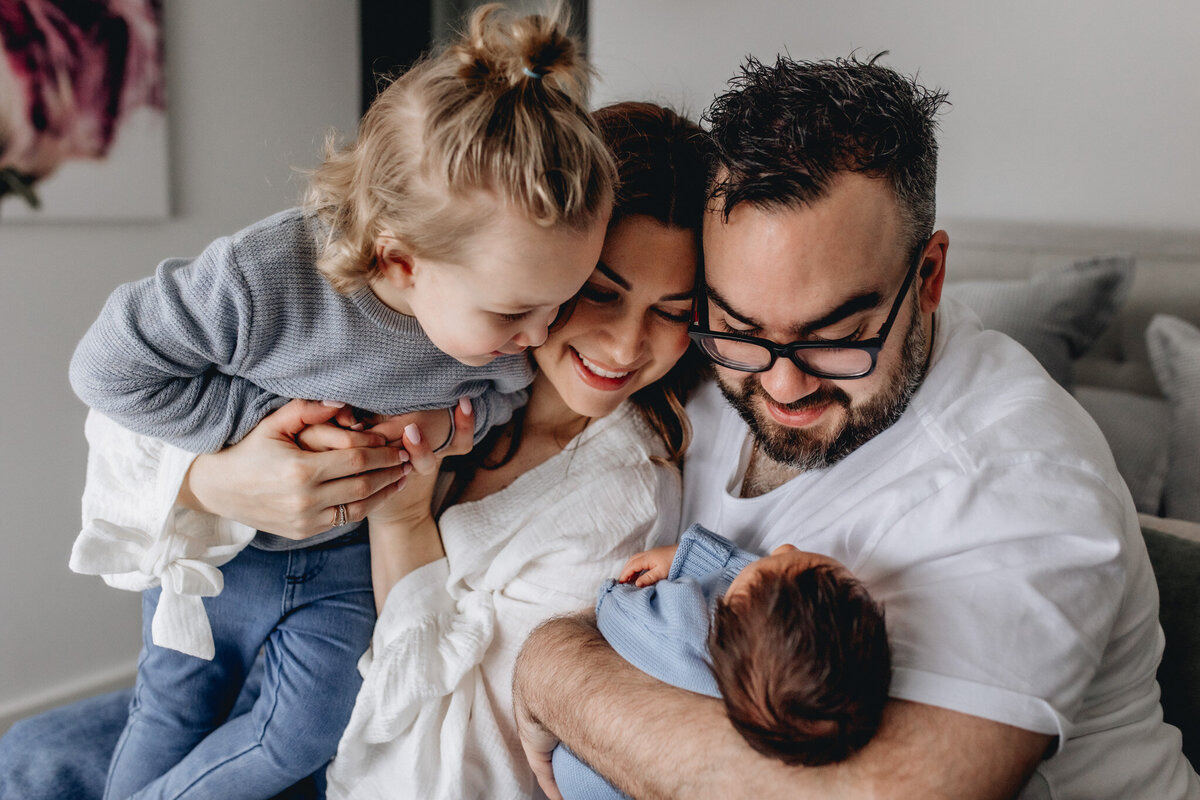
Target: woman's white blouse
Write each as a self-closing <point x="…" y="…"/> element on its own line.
<point x="136" y="538"/>
<point x="434" y="716"/>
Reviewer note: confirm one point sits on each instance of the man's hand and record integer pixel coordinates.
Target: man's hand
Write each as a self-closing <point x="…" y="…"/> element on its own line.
<point x="538" y="744"/>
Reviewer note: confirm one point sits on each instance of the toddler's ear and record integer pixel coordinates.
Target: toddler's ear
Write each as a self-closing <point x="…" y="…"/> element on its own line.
<point x="395" y="262"/>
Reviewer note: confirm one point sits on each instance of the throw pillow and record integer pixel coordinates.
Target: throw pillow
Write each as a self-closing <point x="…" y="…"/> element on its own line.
<point x="1056" y="315"/>
<point x="1174" y="346"/>
<point x="1137" y="428"/>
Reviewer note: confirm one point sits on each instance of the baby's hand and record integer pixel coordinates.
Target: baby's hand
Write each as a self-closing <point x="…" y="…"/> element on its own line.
<point x="654" y="565"/>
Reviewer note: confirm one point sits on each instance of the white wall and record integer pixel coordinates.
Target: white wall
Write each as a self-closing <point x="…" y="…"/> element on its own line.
<point x="1064" y="110"/>
<point x="253" y="87"/>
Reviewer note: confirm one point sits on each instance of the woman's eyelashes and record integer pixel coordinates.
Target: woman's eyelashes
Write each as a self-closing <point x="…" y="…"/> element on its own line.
<point x="596" y="294"/>
<point x="601" y="296"/>
<point x="675" y="315"/>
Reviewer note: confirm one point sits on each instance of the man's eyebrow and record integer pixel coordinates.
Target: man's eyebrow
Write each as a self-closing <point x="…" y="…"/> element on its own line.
<point x="855" y="304"/>
<point x="849" y="307"/>
<point x="723" y="304"/>
<point x="612" y="275"/>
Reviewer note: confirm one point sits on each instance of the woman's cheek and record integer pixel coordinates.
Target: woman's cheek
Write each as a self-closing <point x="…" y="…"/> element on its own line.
<point x="681" y="343"/>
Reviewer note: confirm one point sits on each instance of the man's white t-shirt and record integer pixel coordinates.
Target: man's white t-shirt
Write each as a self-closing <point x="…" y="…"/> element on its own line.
<point x="992" y="524"/>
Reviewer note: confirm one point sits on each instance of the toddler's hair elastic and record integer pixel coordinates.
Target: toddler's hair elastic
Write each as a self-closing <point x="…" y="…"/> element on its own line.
<point x="537" y="76"/>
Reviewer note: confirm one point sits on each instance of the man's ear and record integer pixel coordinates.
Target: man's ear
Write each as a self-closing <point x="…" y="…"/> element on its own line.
<point x="932" y="272"/>
<point x="395" y="261"/>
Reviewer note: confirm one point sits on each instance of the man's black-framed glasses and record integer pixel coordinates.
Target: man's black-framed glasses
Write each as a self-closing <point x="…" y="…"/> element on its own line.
<point x="834" y="360"/>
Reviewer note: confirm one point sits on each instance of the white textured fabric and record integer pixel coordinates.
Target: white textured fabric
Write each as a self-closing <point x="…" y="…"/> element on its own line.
<point x="434" y="716"/>
<point x="135" y="537"/>
<point x="991" y="523"/>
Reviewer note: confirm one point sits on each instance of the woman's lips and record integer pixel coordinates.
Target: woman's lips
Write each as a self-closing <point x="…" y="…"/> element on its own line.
<point x="599" y="377"/>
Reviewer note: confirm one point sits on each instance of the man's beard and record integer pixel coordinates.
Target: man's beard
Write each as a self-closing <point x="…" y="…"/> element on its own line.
<point x="804" y="450"/>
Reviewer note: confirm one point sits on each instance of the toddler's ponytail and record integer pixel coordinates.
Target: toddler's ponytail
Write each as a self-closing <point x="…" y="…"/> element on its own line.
<point x="502" y="111"/>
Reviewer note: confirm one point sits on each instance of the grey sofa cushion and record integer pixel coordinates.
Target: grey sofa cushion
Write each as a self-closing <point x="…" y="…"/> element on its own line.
<point x="1137" y="428"/>
<point x="1174" y="346"/>
<point x="1056" y="315"/>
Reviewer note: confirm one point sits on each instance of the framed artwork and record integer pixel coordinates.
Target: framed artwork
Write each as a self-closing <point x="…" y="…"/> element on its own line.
<point x="83" y="129"/>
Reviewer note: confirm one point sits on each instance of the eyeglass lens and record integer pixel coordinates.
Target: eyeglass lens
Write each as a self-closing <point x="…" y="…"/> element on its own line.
<point x="750" y="356"/>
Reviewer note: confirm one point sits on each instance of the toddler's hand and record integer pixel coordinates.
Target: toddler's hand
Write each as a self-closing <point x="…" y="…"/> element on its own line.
<point x="654" y="565"/>
<point x="342" y="431"/>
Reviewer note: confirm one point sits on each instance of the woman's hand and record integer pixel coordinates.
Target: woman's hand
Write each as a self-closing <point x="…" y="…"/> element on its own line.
<point x="267" y="481"/>
<point x="404" y="535"/>
<point x="413" y="432"/>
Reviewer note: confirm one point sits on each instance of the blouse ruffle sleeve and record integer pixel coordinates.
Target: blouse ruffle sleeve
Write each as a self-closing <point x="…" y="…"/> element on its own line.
<point x="433" y="718"/>
<point x="135" y="537"/>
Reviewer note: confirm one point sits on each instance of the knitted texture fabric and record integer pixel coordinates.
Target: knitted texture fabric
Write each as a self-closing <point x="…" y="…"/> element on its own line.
<point x="201" y="351"/>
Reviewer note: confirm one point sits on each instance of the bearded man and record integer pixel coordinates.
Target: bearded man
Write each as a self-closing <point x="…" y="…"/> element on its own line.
<point x="857" y="415"/>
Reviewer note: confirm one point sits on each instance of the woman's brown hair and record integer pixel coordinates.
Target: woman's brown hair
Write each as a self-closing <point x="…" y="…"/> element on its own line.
<point x="663" y="163"/>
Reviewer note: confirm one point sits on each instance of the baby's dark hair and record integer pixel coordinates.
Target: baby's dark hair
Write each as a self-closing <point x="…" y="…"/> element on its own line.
<point x="802" y="662"/>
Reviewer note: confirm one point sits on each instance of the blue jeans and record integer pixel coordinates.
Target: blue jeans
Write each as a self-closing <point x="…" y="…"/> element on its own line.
<point x="311" y="612"/>
<point x="64" y="753"/>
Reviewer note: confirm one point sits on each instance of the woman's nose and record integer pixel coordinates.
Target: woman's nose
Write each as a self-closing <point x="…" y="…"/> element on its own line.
<point x="628" y="339"/>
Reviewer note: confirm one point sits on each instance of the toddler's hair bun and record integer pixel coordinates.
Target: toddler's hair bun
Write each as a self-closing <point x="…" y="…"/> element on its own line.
<point x="509" y="51"/>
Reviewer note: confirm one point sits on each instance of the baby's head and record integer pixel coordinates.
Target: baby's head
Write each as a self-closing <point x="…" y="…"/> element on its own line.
<point x="477" y="193"/>
<point x="800" y="654"/>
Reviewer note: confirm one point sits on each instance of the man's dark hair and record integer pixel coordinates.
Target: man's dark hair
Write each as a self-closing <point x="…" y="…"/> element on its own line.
<point x="803" y="665"/>
<point x="783" y="132"/>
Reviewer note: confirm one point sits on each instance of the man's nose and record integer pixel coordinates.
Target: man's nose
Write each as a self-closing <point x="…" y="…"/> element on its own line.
<point x="786" y="383"/>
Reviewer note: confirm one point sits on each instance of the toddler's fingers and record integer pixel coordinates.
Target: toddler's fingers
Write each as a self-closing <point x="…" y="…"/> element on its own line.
<point x="318" y="438"/>
<point x="344" y="416"/>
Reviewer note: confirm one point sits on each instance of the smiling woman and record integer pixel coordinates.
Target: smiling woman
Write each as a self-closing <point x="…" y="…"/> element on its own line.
<point x="545" y="509"/>
<point x="630" y="324"/>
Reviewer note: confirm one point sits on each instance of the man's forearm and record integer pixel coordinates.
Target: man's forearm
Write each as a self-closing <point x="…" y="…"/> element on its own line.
<point x="656" y="741"/>
<point x="650" y="739"/>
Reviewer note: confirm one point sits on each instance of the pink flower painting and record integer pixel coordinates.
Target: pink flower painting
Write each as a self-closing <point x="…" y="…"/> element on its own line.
<point x="74" y="74"/>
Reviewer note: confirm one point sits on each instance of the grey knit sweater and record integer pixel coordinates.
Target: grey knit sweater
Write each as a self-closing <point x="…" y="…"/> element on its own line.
<point x="201" y="351"/>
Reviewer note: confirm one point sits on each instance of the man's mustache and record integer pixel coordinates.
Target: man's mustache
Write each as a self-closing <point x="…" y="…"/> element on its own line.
<point x="822" y="396"/>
